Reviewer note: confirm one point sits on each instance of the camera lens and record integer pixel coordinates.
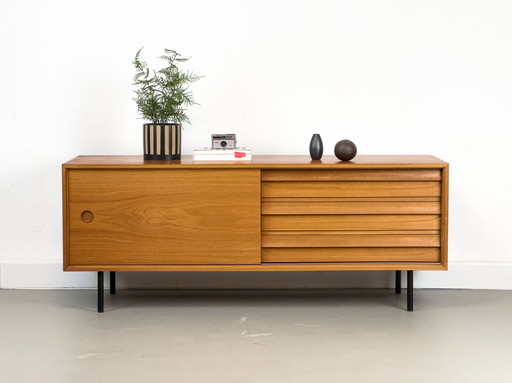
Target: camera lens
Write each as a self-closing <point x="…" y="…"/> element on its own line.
<point x="223" y="143"/>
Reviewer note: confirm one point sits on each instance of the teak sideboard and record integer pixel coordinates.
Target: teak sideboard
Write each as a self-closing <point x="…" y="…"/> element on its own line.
<point x="275" y="213"/>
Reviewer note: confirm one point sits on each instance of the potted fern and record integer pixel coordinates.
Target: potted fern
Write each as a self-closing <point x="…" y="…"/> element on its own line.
<point x="161" y="98"/>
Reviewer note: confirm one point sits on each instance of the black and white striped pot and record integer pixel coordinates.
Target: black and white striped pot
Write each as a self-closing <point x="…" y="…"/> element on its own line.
<point x="162" y="142"/>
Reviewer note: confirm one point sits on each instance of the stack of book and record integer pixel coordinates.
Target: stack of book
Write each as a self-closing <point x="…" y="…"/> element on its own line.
<point x="209" y="154"/>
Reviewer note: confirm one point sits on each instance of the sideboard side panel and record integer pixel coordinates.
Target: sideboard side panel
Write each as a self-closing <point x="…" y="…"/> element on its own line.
<point x="444" y="216"/>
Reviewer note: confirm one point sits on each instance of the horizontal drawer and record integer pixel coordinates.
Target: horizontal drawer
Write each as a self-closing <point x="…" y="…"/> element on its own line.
<point x="350" y="222"/>
<point x="352" y="175"/>
<point x="274" y="239"/>
<point x="375" y="254"/>
<point x="351" y="189"/>
<point x="271" y="207"/>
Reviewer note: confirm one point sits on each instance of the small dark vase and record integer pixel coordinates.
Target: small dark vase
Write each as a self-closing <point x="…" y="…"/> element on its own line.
<point x="345" y="150"/>
<point x="316" y="147"/>
<point x="162" y="142"/>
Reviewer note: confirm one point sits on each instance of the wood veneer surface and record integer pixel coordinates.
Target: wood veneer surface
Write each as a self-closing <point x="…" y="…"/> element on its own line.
<point x="261" y="162"/>
<point x="372" y="213"/>
<point x="172" y="217"/>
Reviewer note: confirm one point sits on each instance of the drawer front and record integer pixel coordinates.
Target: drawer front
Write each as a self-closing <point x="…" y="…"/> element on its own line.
<point x="379" y="239"/>
<point x="159" y="217"/>
<point x="359" y="254"/>
<point x="352" y="175"/>
<point x="271" y="206"/>
<point x="328" y="189"/>
<point x="349" y="222"/>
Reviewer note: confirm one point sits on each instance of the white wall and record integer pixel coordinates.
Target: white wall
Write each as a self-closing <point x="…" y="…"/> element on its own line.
<point x="396" y="77"/>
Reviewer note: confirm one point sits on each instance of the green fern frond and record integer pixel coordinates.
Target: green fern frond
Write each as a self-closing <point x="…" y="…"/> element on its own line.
<point x="160" y="97"/>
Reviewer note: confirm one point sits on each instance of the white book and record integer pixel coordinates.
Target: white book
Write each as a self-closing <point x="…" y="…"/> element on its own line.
<point x="226" y="157"/>
<point x="211" y="151"/>
<point x="209" y="154"/>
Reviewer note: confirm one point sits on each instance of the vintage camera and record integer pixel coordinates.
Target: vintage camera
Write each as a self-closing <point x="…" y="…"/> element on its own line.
<point x="223" y="141"/>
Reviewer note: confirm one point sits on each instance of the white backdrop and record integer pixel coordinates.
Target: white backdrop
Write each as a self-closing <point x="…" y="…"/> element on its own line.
<point x="395" y="77"/>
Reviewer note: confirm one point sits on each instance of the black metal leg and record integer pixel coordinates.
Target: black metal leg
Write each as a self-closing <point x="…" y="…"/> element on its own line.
<point x="100" y="291"/>
<point x="112" y="282"/>
<point x="410" y="288"/>
<point x="398" y="282"/>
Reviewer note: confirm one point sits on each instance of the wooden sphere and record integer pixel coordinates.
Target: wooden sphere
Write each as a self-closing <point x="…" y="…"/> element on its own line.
<point x="345" y="150"/>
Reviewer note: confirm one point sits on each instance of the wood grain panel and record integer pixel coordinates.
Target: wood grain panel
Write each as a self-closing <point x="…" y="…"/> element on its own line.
<point x="351" y="189"/>
<point x="351" y="254"/>
<point x="352" y="175"/>
<point x="351" y="199"/>
<point x="349" y="240"/>
<point x="303" y="207"/>
<point x="350" y="222"/>
<point x="267" y="266"/>
<point x="267" y="162"/>
<point x="164" y="217"/>
<point x="444" y="217"/>
<point x="345" y="232"/>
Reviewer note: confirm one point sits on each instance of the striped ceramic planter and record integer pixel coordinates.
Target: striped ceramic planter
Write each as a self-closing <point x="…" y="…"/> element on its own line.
<point x="162" y="142"/>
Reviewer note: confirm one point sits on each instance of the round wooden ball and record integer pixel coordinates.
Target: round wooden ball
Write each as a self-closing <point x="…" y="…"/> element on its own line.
<point x="345" y="150"/>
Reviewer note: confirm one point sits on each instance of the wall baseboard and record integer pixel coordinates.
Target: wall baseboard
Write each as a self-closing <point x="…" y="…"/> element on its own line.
<point x="495" y="276"/>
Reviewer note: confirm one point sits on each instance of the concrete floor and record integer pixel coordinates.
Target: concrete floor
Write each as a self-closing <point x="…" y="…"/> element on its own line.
<point x="318" y="336"/>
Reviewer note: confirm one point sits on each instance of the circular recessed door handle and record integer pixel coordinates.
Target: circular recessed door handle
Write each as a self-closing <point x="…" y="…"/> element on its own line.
<point x="87" y="216"/>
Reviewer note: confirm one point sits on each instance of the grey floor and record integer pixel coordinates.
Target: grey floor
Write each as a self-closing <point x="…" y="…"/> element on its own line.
<point x="224" y="336"/>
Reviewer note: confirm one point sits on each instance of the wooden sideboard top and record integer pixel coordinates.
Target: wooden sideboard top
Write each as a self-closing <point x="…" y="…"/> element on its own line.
<point x="264" y="162"/>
